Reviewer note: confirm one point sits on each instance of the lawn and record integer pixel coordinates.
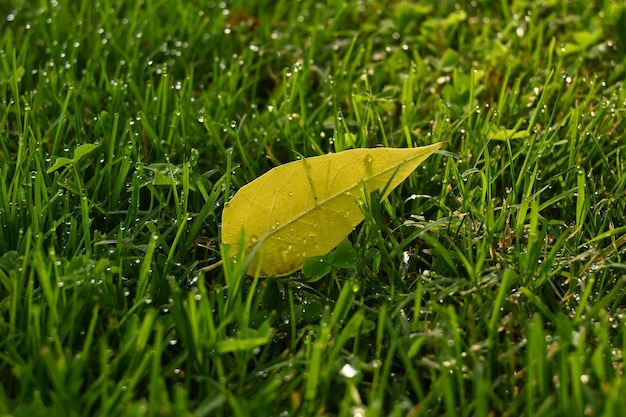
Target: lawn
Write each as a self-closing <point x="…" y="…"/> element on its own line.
<point x="492" y="282"/>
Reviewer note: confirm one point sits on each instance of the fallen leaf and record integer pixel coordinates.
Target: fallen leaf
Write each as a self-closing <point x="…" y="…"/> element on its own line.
<point x="306" y="208"/>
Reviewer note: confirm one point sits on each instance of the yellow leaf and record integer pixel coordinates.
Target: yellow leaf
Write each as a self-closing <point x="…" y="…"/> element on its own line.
<point x="306" y="208"/>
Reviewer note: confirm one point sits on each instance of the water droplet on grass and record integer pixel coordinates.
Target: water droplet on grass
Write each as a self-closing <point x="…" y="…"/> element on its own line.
<point x="348" y="371"/>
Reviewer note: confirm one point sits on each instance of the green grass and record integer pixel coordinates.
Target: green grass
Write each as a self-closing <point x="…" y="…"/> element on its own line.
<point x="492" y="282"/>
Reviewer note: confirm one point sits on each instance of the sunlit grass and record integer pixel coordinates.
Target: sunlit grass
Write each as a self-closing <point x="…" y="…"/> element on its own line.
<point x="490" y="283"/>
